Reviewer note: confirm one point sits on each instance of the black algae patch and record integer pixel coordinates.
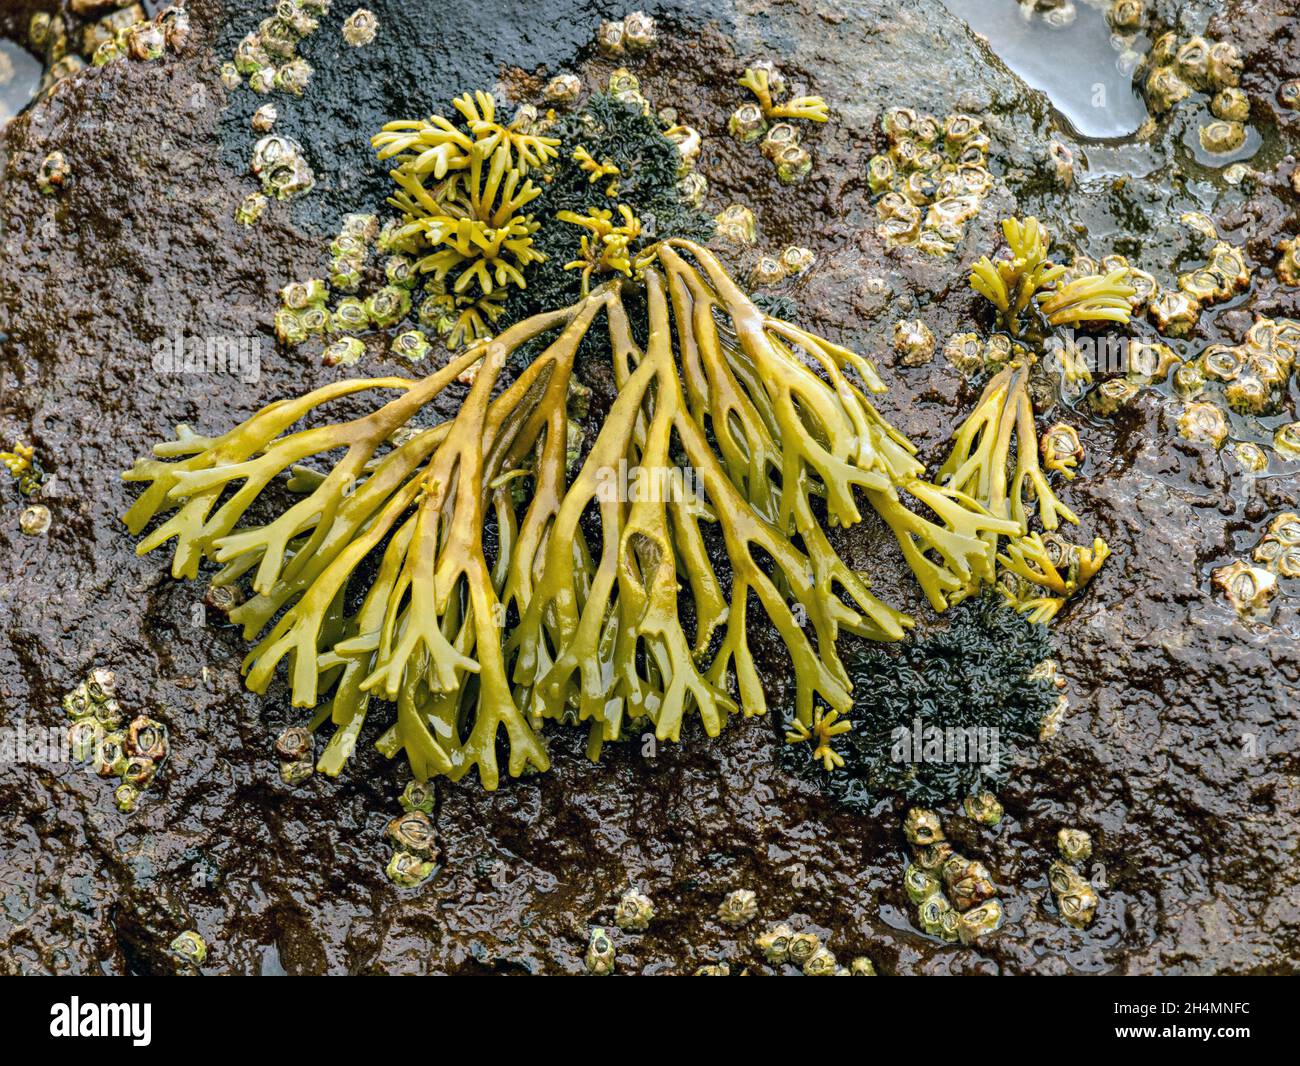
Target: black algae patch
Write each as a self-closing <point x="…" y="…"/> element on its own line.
<point x="941" y="715"/>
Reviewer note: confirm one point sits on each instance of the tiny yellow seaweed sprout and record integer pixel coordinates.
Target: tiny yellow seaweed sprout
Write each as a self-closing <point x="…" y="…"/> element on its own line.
<point x="19" y="461"/>
<point x="1010" y="284"/>
<point x="826" y="726"/>
<point x="758" y="80"/>
<point x="605" y="248"/>
<point x="597" y="169"/>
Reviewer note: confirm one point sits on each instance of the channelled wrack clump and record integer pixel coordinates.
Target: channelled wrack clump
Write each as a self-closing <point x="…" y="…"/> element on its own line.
<point x="485" y="611"/>
<point x="940" y="716"/>
<point x="483" y="576"/>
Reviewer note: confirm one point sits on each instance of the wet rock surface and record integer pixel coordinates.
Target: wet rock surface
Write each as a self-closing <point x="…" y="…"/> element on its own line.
<point x="1194" y="825"/>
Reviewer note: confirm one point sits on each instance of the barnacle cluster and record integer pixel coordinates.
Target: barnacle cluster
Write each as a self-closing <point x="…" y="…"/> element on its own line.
<point x="280" y="164"/>
<point x="1175" y="312"/>
<point x="1251" y="378"/>
<point x="1199" y="70"/>
<point x="782" y="945"/>
<point x="636" y="32"/>
<point x="413" y="838"/>
<point x="1279" y="548"/>
<point x="306" y="309"/>
<point x="770" y="121"/>
<point x="24" y="468"/>
<point x="955" y="897"/>
<point x="1076" y="899"/>
<point x="130" y="751"/>
<point x="925" y="715"/>
<point x="931" y="180"/>
<point x="1251" y="586"/>
<point x="268" y="57"/>
<point x="296" y="749"/>
<point x="125" y="33"/>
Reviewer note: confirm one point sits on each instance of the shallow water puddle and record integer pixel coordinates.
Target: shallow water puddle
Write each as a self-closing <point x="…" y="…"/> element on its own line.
<point x="20" y="77"/>
<point x="1075" y="66"/>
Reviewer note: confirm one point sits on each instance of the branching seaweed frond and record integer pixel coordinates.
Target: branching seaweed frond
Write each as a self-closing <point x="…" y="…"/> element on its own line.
<point x="995" y="460"/>
<point x="525" y="149"/>
<point x="1091" y="298"/>
<point x="415" y="573"/>
<point x="463" y="193"/>
<point x="606" y="247"/>
<point x="810" y="108"/>
<point x="1010" y="284"/>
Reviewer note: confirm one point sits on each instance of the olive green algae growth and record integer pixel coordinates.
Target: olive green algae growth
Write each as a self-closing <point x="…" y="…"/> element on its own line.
<point x="1147" y="759"/>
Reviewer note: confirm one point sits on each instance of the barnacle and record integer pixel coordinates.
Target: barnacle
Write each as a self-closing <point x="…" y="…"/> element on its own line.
<point x="1075" y="845"/>
<point x="34" y="520"/>
<point x="747" y="123"/>
<point x="983" y="808"/>
<point x="775" y="943"/>
<point x="189" y="949"/>
<point x="979" y="922"/>
<point x="1061" y="449"/>
<point x="802" y="946"/>
<point x="1248" y="588"/>
<point x="601" y="953"/>
<point x="738" y="908"/>
<point x="634" y="912"/>
<point x="922" y="827"/>
<point x="360" y="28"/>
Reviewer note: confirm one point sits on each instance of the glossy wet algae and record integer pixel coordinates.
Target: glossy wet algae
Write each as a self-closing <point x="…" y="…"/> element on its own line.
<point x="1163" y="681"/>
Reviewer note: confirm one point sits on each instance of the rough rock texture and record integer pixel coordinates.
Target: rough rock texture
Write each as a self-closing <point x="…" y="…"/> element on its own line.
<point x="1195" y="841"/>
